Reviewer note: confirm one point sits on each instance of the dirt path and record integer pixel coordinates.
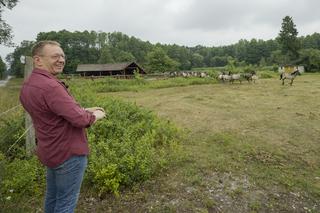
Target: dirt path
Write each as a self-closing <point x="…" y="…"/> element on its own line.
<point x="4" y="82"/>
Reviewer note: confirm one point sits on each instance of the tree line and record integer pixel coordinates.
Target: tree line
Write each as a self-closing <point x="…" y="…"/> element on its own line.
<point x="101" y="47"/>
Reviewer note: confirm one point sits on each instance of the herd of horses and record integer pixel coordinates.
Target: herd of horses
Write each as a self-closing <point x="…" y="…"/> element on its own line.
<point x="252" y="77"/>
<point x="240" y="77"/>
<point x="229" y="77"/>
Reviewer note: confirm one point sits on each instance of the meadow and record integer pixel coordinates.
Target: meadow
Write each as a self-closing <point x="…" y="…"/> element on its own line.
<point x="245" y="147"/>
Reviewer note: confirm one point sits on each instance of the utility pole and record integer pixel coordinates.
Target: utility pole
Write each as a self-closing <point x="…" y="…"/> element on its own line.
<point x="30" y="135"/>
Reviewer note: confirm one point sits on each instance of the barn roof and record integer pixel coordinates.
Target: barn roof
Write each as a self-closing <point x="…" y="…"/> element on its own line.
<point x="106" y="67"/>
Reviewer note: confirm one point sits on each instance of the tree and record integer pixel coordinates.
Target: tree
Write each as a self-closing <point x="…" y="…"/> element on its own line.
<point x="180" y="54"/>
<point x="2" y="68"/>
<point x="120" y="55"/>
<point x="262" y="62"/>
<point x="310" y="58"/>
<point x="219" y="61"/>
<point x="288" y="40"/>
<point x="5" y="29"/>
<point x="241" y="49"/>
<point x="277" y="57"/>
<point x="101" y="39"/>
<point x="159" y="61"/>
<point x="197" y="60"/>
<point x="311" y="41"/>
<point x="16" y="68"/>
<point x="232" y="63"/>
<point x="125" y="57"/>
<point x="105" y="56"/>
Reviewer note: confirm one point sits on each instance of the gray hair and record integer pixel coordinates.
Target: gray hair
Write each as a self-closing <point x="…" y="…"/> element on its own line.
<point x="38" y="47"/>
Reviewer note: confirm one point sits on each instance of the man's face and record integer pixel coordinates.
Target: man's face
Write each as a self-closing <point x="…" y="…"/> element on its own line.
<point x="52" y="59"/>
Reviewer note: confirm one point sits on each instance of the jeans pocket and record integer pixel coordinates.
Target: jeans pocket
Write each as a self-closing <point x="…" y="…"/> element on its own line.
<point x="71" y="165"/>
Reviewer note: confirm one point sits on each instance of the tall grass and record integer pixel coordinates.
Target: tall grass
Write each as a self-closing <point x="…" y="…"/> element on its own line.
<point x="9" y="94"/>
<point x="116" y="85"/>
<point x="11" y="119"/>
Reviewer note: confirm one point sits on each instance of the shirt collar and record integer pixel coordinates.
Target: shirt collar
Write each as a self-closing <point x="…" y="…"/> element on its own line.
<point x="44" y="72"/>
<point x="49" y="75"/>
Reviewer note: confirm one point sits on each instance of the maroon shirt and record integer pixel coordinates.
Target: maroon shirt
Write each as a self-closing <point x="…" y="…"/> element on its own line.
<point x="58" y="119"/>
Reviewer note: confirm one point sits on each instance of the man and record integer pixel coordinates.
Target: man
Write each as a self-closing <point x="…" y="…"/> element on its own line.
<point x="59" y="124"/>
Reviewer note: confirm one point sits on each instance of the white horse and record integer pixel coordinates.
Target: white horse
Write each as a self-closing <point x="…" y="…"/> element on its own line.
<point x="235" y="77"/>
<point x="289" y="76"/>
<point x="254" y="78"/>
<point x="184" y="74"/>
<point x="225" y="77"/>
<point x="203" y="75"/>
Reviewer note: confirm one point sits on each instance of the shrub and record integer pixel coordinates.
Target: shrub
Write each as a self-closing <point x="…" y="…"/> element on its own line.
<point x="266" y="74"/>
<point x="128" y="147"/>
<point x="21" y="178"/>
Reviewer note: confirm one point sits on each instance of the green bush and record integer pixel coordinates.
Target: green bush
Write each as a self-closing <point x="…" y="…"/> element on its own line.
<point x="128" y="147"/>
<point x="267" y="74"/>
<point x="21" y="177"/>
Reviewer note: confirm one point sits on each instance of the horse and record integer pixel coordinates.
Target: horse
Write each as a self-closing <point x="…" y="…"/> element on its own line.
<point x="251" y="76"/>
<point x="235" y="77"/>
<point x="221" y="76"/>
<point x="226" y="77"/>
<point x="203" y="75"/>
<point x="289" y="76"/>
<point x="254" y="78"/>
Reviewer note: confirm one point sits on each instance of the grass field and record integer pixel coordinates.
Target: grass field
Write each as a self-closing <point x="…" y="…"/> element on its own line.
<point x="249" y="148"/>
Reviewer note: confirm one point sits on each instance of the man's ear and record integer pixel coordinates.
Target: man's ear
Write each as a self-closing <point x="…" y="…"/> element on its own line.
<point x="37" y="60"/>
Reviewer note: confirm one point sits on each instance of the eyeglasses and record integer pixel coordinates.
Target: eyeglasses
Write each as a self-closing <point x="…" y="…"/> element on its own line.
<point x="55" y="57"/>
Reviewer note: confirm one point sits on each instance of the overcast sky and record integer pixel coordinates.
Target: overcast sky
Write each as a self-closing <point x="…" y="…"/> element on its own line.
<point x="184" y="22"/>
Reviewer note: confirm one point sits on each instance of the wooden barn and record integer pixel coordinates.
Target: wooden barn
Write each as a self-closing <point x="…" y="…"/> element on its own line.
<point x="115" y="69"/>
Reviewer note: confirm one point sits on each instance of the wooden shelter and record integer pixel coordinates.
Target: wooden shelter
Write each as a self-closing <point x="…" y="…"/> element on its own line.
<point x="116" y="69"/>
<point x="290" y="68"/>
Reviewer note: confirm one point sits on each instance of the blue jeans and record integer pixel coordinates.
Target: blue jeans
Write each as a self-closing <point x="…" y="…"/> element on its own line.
<point x="63" y="185"/>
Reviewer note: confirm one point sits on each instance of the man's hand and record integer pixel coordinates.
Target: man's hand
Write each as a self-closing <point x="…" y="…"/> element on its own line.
<point x="92" y="109"/>
<point x="99" y="114"/>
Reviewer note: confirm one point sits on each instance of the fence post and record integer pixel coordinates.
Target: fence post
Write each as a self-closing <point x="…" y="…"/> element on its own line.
<point x="30" y="135"/>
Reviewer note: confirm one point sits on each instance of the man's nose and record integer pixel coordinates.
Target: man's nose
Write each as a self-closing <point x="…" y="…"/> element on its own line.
<point x="61" y="58"/>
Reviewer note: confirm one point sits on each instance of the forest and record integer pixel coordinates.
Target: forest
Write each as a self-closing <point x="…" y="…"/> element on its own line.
<point x="101" y="47"/>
